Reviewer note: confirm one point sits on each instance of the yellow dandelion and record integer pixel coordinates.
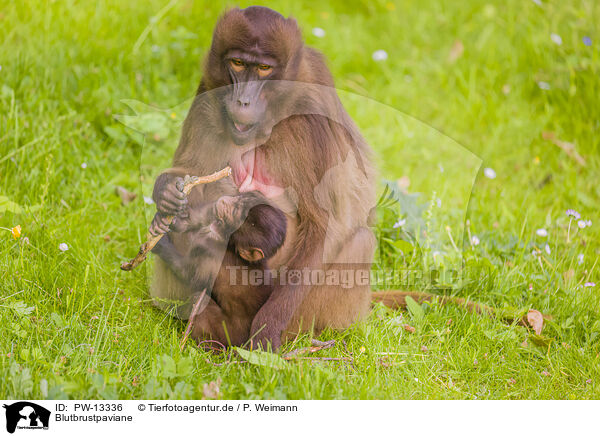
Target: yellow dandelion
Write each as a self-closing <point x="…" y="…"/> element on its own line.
<point x="536" y="160"/>
<point x="325" y="15"/>
<point x="173" y="115"/>
<point x="16" y="231"/>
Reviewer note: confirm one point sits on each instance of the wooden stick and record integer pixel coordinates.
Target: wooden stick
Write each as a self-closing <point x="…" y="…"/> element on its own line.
<point x="317" y="346"/>
<point x="151" y="240"/>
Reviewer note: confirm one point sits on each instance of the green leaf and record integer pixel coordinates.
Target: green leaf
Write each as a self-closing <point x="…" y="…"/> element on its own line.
<point x="167" y="365"/>
<point x="540" y="340"/>
<point x="20" y="308"/>
<point x="414" y="308"/>
<point x="6" y="91"/>
<point x="57" y="320"/>
<point x="262" y="358"/>
<point x="9" y="206"/>
<point x="403" y="246"/>
<point x="184" y="367"/>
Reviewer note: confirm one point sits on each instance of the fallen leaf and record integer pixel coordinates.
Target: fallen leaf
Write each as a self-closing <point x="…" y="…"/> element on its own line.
<point x="512" y="381"/>
<point x="409" y="328"/>
<point x="535" y="319"/>
<point x="542" y="341"/>
<point x="456" y="51"/>
<point x="262" y="358"/>
<point x="126" y="196"/>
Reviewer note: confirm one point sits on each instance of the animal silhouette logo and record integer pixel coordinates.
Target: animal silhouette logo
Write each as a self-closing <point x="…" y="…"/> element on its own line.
<point x="26" y="415"/>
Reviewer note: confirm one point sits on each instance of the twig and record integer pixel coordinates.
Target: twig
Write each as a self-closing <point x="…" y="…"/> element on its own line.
<point x="338" y="359"/>
<point x="151" y="240"/>
<point x="188" y="328"/>
<point x="317" y="346"/>
<point x="567" y="147"/>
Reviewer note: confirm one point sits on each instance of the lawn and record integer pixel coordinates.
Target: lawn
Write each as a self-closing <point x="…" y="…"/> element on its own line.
<point x="485" y="122"/>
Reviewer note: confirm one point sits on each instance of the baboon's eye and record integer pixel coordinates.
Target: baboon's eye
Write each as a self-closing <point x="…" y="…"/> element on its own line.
<point x="264" y="70"/>
<point x="237" y="64"/>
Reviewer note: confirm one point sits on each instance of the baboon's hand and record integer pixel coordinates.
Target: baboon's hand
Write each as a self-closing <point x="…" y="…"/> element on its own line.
<point x="159" y="225"/>
<point x="169" y="196"/>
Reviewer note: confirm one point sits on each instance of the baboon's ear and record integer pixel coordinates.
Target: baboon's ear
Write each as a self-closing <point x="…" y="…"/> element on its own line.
<point x="251" y="254"/>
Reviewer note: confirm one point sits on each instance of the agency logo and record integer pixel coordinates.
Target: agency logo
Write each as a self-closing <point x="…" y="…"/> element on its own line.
<point x="26" y="415"/>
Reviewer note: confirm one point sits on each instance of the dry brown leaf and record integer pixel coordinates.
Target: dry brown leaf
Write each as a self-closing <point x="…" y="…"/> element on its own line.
<point x="125" y="195"/>
<point x="409" y="328"/>
<point x="535" y="319"/>
<point x="456" y="51"/>
<point x="212" y="390"/>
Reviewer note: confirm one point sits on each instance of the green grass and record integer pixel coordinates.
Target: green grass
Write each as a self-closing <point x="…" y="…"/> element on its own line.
<point x="73" y="325"/>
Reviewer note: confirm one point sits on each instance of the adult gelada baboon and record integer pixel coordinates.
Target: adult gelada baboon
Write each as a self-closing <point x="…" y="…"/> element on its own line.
<point x="266" y="106"/>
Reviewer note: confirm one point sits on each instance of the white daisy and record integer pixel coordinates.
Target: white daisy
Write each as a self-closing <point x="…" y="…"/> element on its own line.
<point x="380" y="55"/>
<point x="318" y="32"/>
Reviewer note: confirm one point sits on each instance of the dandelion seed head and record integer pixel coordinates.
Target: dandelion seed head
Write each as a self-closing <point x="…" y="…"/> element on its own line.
<point x="63" y="247"/>
<point x="380" y="55"/>
<point x="84" y="165"/>
<point x="475" y="240"/>
<point x="541" y="232"/>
